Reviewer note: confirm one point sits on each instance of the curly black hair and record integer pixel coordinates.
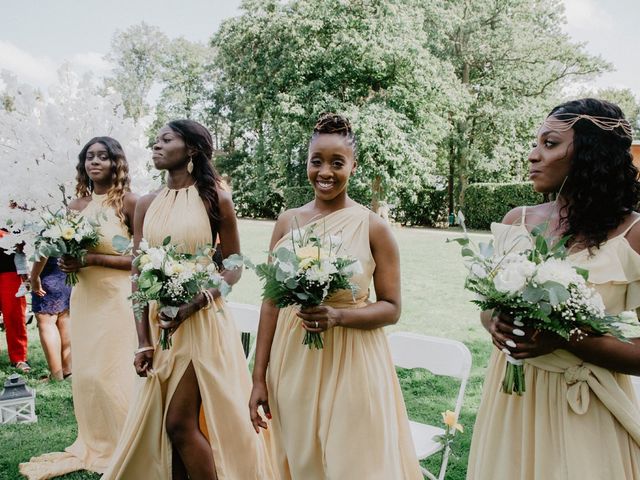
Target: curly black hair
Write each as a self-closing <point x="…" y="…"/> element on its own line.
<point x="334" y="123"/>
<point x="602" y="185"/>
<point x="207" y="178"/>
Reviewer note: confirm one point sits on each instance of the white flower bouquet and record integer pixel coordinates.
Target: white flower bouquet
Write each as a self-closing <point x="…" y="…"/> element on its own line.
<point x="172" y="279"/>
<point x="538" y="288"/>
<point x="65" y="232"/>
<point x="305" y="272"/>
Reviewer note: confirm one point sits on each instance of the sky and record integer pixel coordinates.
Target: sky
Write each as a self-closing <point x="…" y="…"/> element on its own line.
<point x="37" y="36"/>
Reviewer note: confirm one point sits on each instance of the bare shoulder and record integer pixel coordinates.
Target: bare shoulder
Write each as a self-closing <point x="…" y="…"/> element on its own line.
<point x="532" y="214"/>
<point x="142" y="203"/>
<point x="380" y="234"/>
<point x="377" y="224"/>
<point x="79" y="204"/>
<point x="633" y="236"/>
<point x="130" y="200"/>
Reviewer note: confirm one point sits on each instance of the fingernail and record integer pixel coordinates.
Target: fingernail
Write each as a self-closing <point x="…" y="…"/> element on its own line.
<point x="518" y="323"/>
<point x="510" y="343"/>
<point x="506" y="352"/>
<point x="518" y="332"/>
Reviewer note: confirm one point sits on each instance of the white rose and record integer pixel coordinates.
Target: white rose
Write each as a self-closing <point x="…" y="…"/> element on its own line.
<point x="556" y="270"/>
<point x="478" y="270"/>
<point x="144" y="245"/>
<point x="509" y="280"/>
<point x="526" y="268"/>
<point x="156" y="256"/>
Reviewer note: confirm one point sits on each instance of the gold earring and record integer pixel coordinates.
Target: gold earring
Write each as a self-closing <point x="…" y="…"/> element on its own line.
<point x="190" y="165"/>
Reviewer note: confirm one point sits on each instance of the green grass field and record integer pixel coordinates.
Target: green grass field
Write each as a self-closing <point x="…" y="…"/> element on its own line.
<point x="434" y="303"/>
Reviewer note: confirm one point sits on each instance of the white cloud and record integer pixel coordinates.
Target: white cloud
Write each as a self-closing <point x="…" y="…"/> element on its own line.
<point x="587" y="17"/>
<point x="42" y="71"/>
<point x="37" y="71"/>
<point x="93" y="62"/>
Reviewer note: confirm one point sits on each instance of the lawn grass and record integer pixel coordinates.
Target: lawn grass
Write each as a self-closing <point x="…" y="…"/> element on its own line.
<point x="434" y="303"/>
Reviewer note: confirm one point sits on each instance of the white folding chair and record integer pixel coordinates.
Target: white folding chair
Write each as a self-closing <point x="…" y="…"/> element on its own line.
<point x="440" y="356"/>
<point x="246" y="317"/>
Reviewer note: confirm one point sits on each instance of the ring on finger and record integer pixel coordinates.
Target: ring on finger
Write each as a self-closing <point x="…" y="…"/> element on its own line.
<point x="317" y="324"/>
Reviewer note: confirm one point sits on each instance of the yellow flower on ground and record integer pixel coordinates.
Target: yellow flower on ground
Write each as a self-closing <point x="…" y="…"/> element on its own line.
<point x="450" y="419"/>
<point x="68" y="233"/>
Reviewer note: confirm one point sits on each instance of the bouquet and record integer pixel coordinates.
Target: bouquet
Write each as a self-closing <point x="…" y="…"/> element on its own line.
<point x="540" y="289"/>
<point x="172" y="279"/>
<point x="66" y="232"/>
<point x="305" y="272"/>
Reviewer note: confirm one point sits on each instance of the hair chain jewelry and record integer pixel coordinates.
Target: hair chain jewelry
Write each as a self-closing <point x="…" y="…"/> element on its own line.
<point x="604" y="123"/>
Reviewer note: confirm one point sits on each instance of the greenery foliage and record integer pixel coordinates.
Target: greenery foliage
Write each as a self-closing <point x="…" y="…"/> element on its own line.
<point x="441" y="93"/>
<point x="489" y="202"/>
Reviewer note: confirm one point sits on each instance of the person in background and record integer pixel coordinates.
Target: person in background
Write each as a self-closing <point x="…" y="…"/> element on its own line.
<point x="50" y="304"/>
<point x="13" y="311"/>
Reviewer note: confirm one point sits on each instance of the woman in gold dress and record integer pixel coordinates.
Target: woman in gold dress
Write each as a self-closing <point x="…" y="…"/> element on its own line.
<point x="205" y="369"/>
<point x="337" y="412"/>
<point x="102" y="332"/>
<point x="578" y="418"/>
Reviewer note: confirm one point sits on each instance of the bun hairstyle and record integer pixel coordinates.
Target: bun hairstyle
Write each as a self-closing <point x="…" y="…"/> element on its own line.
<point x="333" y="123"/>
<point x="120" y="180"/>
<point x="207" y="178"/>
<point x="602" y="185"/>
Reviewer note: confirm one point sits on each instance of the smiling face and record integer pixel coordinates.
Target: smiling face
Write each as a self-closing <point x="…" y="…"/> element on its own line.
<point x="98" y="164"/>
<point x="329" y="165"/>
<point x="169" y="150"/>
<point x="550" y="158"/>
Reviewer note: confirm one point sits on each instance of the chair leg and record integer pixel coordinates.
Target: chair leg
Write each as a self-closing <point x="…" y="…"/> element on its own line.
<point x="445" y="462"/>
<point x="427" y="473"/>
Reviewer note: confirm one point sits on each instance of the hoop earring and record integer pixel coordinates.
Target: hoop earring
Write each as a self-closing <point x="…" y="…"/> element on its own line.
<point x="190" y="166"/>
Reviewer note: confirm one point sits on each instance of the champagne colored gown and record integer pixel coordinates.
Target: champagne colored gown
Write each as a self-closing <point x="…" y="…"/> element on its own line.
<point x="575" y="420"/>
<point x="103" y="338"/>
<point x="338" y="413"/>
<point x="211" y="342"/>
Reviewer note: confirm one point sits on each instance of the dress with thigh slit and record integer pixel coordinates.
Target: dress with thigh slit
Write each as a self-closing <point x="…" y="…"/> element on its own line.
<point x="211" y="342"/>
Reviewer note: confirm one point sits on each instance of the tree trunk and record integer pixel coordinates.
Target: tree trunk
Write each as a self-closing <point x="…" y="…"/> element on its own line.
<point x="376" y="193"/>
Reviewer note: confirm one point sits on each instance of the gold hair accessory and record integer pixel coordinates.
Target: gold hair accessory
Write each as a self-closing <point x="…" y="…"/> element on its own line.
<point x="190" y="165"/>
<point x="604" y="123"/>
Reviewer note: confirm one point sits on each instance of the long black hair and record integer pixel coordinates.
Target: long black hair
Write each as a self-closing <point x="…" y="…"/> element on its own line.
<point x="602" y="186"/>
<point x="207" y="178"/>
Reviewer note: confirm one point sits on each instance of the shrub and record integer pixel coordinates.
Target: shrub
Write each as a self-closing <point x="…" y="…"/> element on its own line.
<point x="489" y="202"/>
<point x="427" y="206"/>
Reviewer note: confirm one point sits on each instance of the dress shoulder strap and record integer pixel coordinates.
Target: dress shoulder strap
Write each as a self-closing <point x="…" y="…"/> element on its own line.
<point x="624" y="234"/>
<point x="524" y="215"/>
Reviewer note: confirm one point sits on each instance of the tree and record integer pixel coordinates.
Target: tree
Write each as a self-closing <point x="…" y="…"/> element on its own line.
<point x="624" y="98"/>
<point x="136" y="54"/>
<point x="41" y="136"/>
<point x="283" y="64"/>
<point x="512" y="59"/>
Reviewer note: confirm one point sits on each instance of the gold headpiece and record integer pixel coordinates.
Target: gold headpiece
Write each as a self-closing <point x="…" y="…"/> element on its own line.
<point x="605" y="123"/>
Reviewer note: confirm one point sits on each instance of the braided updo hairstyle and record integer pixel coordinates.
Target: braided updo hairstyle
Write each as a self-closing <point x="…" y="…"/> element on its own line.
<point x="602" y="185"/>
<point x="333" y="123"/>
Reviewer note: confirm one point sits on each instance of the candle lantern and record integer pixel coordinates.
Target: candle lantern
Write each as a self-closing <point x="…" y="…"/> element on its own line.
<point x="17" y="402"/>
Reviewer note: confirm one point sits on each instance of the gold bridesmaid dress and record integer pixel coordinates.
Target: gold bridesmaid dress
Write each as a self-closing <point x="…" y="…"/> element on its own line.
<point x="102" y="341"/>
<point x="211" y="342"/>
<point x="338" y="413"/>
<point x="575" y="420"/>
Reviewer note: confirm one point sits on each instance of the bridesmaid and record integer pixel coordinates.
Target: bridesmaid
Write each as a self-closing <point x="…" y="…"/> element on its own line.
<point x="579" y="418"/>
<point x="102" y="333"/>
<point x="205" y="369"/>
<point x="336" y="412"/>
<point x="50" y="305"/>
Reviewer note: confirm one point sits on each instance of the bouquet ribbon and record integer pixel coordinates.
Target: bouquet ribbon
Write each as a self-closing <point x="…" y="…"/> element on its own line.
<point x="583" y="378"/>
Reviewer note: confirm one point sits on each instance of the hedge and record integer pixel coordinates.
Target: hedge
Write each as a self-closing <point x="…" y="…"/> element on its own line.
<point x="489" y="202"/>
